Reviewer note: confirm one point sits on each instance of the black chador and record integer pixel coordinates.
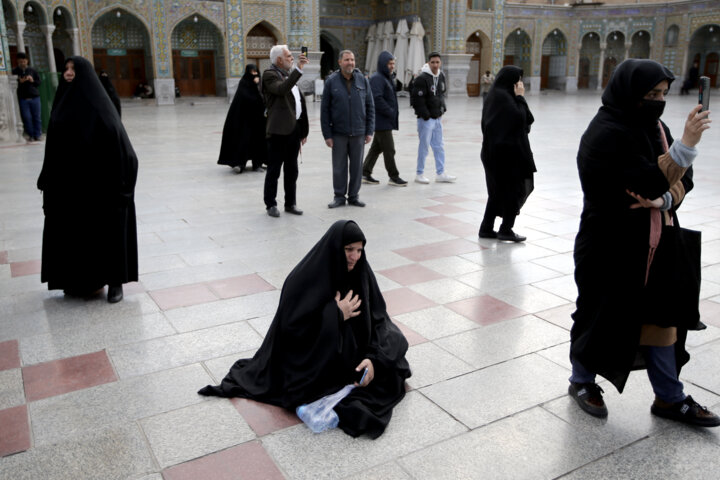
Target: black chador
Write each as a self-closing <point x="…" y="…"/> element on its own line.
<point x="506" y="154"/>
<point x="110" y="89"/>
<point x="310" y="351"/>
<point x="244" y="131"/>
<point x="88" y="183"/>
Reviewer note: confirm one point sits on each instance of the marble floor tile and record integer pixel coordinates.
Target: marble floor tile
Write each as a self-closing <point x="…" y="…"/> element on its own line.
<point x="388" y="471"/>
<point x="411" y="274"/>
<point x="404" y="300"/>
<point x="435" y="322"/>
<point x="183" y="296"/>
<point x="12" y="392"/>
<point x="710" y="312"/>
<point x="9" y="355"/>
<point x="264" y="418"/>
<point x="3" y="257"/>
<point x="431" y="364"/>
<point x="195" y="431"/>
<point x="438" y="250"/>
<point x="220" y="366"/>
<point x="248" y="461"/>
<point x="560" y="316"/>
<point x="445" y="208"/>
<point x="445" y="291"/>
<point x="703" y="369"/>
<point x="67" y="375"/>
<point x="239" y="286"/>
<point x="15" y="432"/>
<point x="485" y="309"/>
<point x="451" y="266"/>
<point x="412" y="337"/>
<point x="495" y="278"/>
<point x="29" y="267"/>
<point x="530" y="298"/>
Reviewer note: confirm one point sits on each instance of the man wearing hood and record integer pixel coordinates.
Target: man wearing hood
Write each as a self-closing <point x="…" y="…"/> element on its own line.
<point x="386" y="120"/>
<point x="428" y="100"/>
<point x="347" y="118"/>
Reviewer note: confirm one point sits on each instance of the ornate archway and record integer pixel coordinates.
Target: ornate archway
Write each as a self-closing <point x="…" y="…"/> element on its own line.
<point x="198" y="57"/>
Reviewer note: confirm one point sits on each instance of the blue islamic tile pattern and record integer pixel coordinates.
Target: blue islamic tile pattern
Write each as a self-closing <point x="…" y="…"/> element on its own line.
<point x="160" y="39"/>
<point x="213" y="11"/>
<point x="498" y="35"/>
<point x="4" y="46"/>
<point x="235" y="38"/>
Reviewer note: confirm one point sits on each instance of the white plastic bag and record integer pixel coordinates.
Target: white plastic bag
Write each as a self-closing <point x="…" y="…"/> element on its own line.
<point x="319" y="415"/>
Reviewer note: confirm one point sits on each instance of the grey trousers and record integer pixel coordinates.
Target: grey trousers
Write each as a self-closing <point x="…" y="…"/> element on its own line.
<point x="347" y="157"/>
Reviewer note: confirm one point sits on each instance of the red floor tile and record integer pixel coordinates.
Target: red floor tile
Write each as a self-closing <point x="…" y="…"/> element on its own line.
<point x="183" y="296"/>
<point x="264" y="418"/>
<point x="3" y="257"/>
<point x="9" y="355"/>
<point x="445" y="208"/>
<point x="450" y="199"/>
<point x="485" y="309"/>
<point x="15" y="431"/>
<point x="239" y="286"/>
<point x="411" y="274"/>
<point x="30" y="267"/>
<point x="710" y="312"/>
<point x="431" y="251"/>
<point x="248" y="461"/>
<point x="438" y="221"/>
<point x="404" y="300"/>
<point x="411" y="335"/>
<point x="461" y="229"/>
<point x="67" y="375"/>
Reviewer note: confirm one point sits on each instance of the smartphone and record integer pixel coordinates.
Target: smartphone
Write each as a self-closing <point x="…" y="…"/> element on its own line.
<point x="360" y="376"/>
<point x="704" y="93"/>
<point x="303" y="51"/>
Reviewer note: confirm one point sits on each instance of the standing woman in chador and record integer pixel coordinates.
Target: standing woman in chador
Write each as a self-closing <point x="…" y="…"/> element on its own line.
<point x="88" y="184"/>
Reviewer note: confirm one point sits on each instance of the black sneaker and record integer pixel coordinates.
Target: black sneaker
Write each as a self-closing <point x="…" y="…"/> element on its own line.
<point x="397" y="182"/>
<point x="688" y="411"/>
<point x="589" y="397"/>
<point x="370" y="180"/>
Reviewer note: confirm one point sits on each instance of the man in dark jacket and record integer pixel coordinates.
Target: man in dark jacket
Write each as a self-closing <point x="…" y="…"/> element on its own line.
<point x="28" y="97"/>
<point x="428" y="99"/>
<point x="386" y="120"/>
<point x="347" y="118"/>
<point x="287" y="126"/>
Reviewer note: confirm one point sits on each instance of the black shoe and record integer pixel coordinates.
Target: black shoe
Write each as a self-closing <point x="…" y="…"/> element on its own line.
<point x="258" y="169"/>
<point x="273" y="212"/>
<point x="356" y="203"/>
<point x="487" y="234"/>
<point x="115" y="293"/>
<point x="294" y="210"/>
<point x="370" y="180"/>
<point x="589" y="397"/>
<point x="397" y="182"/>
<point x="510" y="237"/>
<point x="688" y="411"/>
<point x="338" y="202"/>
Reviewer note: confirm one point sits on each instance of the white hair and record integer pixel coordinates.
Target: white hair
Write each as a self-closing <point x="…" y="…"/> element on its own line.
<point x="276" y="51"/>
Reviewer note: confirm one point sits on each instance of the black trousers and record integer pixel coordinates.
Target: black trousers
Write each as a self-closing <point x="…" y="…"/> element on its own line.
<point x="282" y="154"/>
<point x="382" y="143"/>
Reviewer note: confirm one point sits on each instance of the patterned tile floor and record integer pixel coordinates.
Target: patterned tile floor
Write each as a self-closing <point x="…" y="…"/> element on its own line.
<point x="90" y="390"/>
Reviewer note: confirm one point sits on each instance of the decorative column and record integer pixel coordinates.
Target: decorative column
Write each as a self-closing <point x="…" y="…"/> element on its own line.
<point x="498" y="35"/>
<point x="75" y="36"/>
<point x="164" y="82"/>
<point x="10" y="124"/>
<point x="48" y="31"/>
<point x="456" y="63"/>
<point x="20" y="29"/>
<point x="601" y="66"/>
<point x="301" y="34"/>
<point x="235" y="46"/>
<point x="571" y="83"/>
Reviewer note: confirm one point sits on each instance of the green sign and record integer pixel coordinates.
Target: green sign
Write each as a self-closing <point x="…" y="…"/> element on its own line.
<point x="117" y="52"/>
<point x="188" y="53"/>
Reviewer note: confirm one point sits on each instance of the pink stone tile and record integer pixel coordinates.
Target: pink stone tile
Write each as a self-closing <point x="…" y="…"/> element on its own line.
<point x="450" y="199"/>
<point x="239" y="286"/>
<point x="445" y="208"/>
<point x="404" y="300"/>
<point x="3" y="257"/>
<point x="248" y="461"/>
<point x="411" y="274"/>
<point x="411" y="335"/>
<point x="30" y="267"/>
<point x="446" y="248"/>
<point x="264" y="418"/>
<point x="67" y="375"/>
<point x="461" y="229"/>
<point x="438" y="221"/>
<point x="710" y="312"/>
<point x="183" y="296"/>
<point x="15" y="431"/>
<point x="9" y="355"/>
<point x="485" y="309"/>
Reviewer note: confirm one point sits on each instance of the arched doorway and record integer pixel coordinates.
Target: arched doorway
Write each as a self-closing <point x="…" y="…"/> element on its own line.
<point x="705" y="47"/>
<point x="34" y="37"/>
<point x="589" y="64"/>
<point x="121" y="47"/>
<point x="260" y="39"/>
<point x="518" y="50"/>
<point x="331" y="48"/>
<point x="614" y="54"/>
<point x="10" y="15"/>
<point x="198" y="59"/>
<point x="640" y="45"/>
<point x="61" y="38"/>
<point x="478" y="45"/>
<point x="553" y="66"/>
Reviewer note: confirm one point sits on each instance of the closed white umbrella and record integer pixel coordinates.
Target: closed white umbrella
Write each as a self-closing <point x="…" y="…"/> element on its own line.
<point x="370" y="38"/>
<point x="416" y="51"/>
<point x="377" y="48"/>
<point x="388" y="40"/>
<point x="401" y="49"/>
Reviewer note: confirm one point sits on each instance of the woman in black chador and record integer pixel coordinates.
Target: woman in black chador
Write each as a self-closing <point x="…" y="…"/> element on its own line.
<point x="506" y="154"/>
<point x="331" y="323"/>
<point x="633" y="308"/>
<point x="110" y="90"/>
<point x="244" y="131"/>
<point x="88" y="183"/>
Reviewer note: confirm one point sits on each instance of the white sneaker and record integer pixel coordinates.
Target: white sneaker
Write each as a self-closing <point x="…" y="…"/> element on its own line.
<point x="422" y="179"/>
<point x="444" y="177"/>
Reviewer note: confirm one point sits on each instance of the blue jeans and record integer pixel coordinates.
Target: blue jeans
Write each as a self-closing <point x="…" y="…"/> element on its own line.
<point x="30" y="113"/>
<point x="661" y="370"/>
<point x="431" y="134"/>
